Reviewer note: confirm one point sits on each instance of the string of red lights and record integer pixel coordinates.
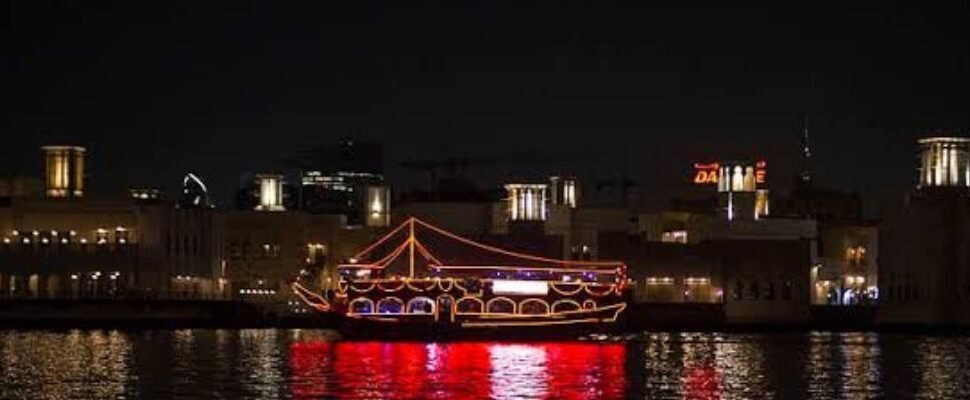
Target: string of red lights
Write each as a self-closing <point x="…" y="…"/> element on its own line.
<point x="383" y="239"/>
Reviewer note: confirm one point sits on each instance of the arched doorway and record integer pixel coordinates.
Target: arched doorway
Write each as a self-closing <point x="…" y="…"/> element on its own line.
<point x="33" y="286"/>
<point x="54" y="287"/>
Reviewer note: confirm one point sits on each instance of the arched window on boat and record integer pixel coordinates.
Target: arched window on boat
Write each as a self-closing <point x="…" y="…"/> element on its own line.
<point x="421" y="305"/>
<point x="502" y="305"/>
<point x="469" y="305"/>
<point x="565" y="305"/>
<point x="533" y="307"/>
<point x="361" y="305"/>
<point x="390" y="305"/>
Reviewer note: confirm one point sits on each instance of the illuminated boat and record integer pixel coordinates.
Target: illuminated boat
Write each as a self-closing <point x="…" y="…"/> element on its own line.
<point x="511" y="292"/>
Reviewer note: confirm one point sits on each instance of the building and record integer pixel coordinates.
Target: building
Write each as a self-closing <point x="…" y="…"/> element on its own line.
<point x="347" y="179"/>
<point x="758" y="269"/>
<point x="67" y="245"/>
<point x="265" y="251"/>
<point x="63" y="171"/>
<point x="846" y="271"/>
<point x="925" y="263"/>
<point x="733" y="253"/>
<point x="266" y="191"/>
<point x="546" y="209"/>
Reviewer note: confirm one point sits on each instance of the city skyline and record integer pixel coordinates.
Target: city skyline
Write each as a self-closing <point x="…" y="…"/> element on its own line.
<point x="157" y="92"/>
<point x="467" y="200"/>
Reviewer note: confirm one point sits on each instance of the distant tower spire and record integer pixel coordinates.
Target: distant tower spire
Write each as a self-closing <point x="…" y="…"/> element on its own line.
<point x="806" y="154"/>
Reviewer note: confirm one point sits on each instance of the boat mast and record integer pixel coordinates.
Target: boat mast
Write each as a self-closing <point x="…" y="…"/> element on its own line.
<point x="411" y="247"/>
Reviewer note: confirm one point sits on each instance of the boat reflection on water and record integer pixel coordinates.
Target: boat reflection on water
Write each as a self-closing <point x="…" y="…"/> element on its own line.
<point x="465" y="370"/>
<point x="303" y="364"/>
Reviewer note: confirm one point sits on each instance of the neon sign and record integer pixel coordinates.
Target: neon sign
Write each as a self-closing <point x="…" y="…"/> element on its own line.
<point x="706" y="173"/>
<point x="710" y="173"/>
<point x="759" y="172"/>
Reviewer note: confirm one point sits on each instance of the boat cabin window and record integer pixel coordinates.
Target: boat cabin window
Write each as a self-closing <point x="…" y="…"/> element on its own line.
<point x="361" y="306"/>
<point x="421" y="305"/>
<point x="390" y="305"/>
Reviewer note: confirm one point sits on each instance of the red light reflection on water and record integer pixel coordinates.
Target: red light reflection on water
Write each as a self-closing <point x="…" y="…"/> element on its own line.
<point x="702" y="382"/>
<point x="466" y="370"/>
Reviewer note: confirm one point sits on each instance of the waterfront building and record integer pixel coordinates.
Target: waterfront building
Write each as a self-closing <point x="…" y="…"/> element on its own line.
<point x="265" y="251"/>
<point x="925" y="267"/>
<point x="58" y="242"/>
<point x="730" y="251"/>
<point x="63" y="244"/>
<point x="846" y="271"/>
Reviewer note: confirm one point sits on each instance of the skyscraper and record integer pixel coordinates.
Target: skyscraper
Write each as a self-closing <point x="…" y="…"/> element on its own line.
<point x="346" y="179"/>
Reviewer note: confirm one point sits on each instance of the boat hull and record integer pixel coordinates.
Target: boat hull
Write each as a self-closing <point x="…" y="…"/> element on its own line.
<point x="486" y="326"/>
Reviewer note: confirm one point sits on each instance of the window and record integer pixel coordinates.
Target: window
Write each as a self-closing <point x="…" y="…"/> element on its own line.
<point x="533" y="307"/>
<point x="316" y="253"/>
<point x="500" y="305"/>
<point x="121" y="235"/>
<point x="678" y="236"/>
<point x="420" y="305"/>
<point x="770" y="291"/>
<point x="468" y="305"/>
<point x="738" y="290"/>
<point x="582" y="252"/>
<point x="361" y="305"/>
<point x="390" y="305"/>
<point x="755" y="291"/>
<point x="101" y="236"/>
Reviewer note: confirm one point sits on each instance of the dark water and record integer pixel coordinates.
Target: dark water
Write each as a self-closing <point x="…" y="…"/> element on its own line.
<point x="270" y="364"/>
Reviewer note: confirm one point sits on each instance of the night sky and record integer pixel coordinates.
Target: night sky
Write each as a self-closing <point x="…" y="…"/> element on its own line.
<point x="157" y="90"/>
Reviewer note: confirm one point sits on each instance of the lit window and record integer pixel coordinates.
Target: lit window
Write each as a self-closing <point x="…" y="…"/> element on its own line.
<point x="101" y="236"/>
<point x="121" y="235"/>
<point x="679" y="236"/>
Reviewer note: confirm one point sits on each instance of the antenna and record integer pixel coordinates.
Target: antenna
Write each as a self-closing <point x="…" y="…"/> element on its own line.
<point x="806" y="153"/>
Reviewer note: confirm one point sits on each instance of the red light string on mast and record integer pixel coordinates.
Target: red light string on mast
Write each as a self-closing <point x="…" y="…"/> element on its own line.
<point x="427" y="254"/>
<point x="382" y="240"/>
<point x="391" y="256"/>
